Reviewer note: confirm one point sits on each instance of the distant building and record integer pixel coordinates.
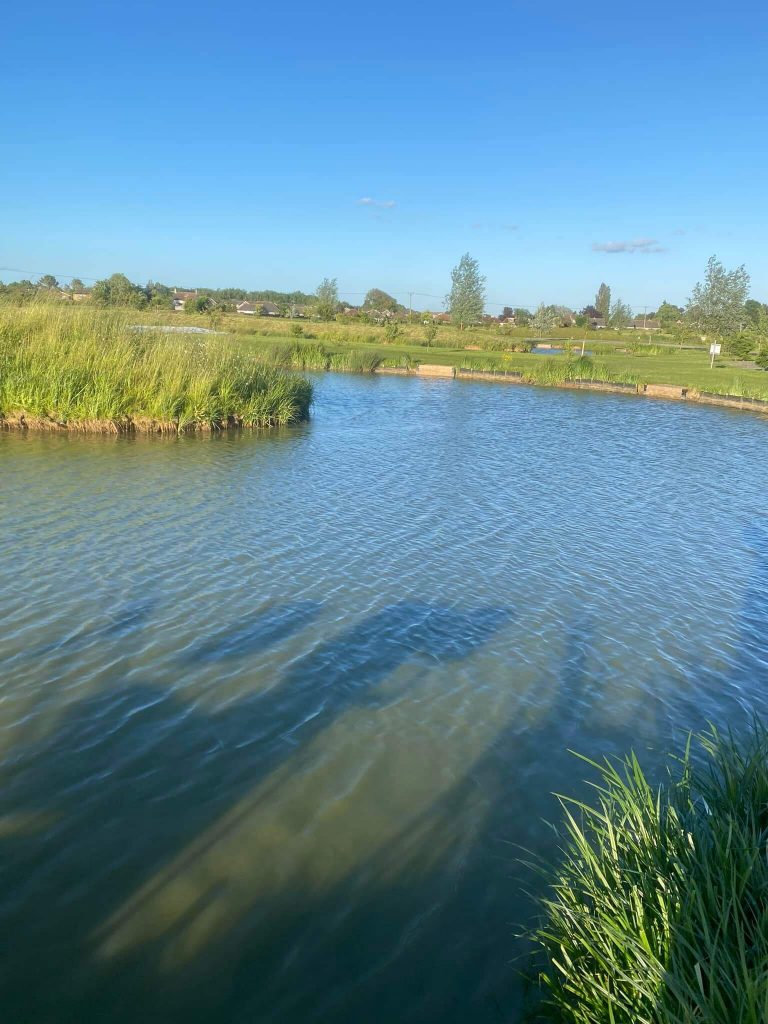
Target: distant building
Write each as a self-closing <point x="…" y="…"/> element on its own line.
<point x="180" y="299"/>
<point x="257" y="308"/>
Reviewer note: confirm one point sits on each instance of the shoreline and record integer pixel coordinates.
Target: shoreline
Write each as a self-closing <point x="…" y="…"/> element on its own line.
<point x="132" y="426"/>
<point x="671" y="392"/>
<point x="129" y="426"/>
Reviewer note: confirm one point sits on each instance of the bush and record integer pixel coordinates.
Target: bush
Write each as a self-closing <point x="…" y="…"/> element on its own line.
<point x="391" y="331"/>
<point x="739" y="347"/>
<point x="659" y="911"/>
<point x="430" y="332"/>
<point x="296" y="330"/>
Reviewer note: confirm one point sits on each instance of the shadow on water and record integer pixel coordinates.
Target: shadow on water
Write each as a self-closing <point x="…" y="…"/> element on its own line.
<point x="121" y="622"/>
<point x="130" y="794"/>
<point x="253" y="634"/>
<point x="751" y="661"/>
<point x="132" y="775"/>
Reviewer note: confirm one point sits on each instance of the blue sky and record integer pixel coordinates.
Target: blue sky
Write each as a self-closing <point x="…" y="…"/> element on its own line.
<point x="233" y="144"/>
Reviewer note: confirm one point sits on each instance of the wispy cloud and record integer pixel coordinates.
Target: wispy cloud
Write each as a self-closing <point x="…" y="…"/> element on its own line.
<point x="643" y="245"/>
<point x="385" y="203"/>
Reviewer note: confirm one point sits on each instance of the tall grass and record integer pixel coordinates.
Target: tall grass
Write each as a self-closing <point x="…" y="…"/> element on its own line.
<point x="302" y="355"/>
<point x="86" y="369"/>
<point x="659" y="911"/>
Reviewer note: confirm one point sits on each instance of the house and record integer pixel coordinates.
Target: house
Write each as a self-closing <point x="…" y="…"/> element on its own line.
<point x="80" y="296"/>
<point x="257" y="308"/>
<point x="180" y="298"/>
<point x="598" y="322"/>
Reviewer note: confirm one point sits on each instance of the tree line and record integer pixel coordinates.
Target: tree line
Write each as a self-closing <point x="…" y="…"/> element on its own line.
<point x="719" y="308"/>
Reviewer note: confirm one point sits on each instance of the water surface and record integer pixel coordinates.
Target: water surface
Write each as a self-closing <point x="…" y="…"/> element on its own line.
<point x="278" y="710"/>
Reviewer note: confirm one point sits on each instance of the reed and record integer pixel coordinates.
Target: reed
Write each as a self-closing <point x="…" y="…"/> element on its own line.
<point x="658" y="913"/>
<point x="87" y="369"/>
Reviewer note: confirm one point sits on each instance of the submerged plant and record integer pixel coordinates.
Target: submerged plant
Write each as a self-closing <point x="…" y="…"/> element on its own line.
<point x="659" y="911"/>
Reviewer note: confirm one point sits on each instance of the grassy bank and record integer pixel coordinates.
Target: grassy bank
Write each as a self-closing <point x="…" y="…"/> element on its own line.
<point x="625" y="362"/>
<point x="86" y="369"/>
<point x="659" y="911"/>
<point x="361" y="347"/>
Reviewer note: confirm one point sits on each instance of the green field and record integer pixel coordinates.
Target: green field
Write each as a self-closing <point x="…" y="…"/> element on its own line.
<point x="665" y="364"/>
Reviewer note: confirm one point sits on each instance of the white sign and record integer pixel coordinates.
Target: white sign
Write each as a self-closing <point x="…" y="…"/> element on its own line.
<point x="714" y="349"/>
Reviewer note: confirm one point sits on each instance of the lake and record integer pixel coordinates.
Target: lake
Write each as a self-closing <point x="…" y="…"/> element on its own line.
<point x="282" y="712"/>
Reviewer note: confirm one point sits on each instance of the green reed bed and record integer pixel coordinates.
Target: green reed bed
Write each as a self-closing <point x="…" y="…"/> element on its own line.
<point x="89" y="370"/>
<point x="659" y="911"/>
<point x="303" y="355"/>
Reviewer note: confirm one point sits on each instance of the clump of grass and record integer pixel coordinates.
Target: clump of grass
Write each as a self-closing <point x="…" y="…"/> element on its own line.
<point x="552" y="372"/>
<point x="87" y="369"/>
<point x="295" y="355"/>
<point x="401" y="362"/>
<point x="659" y="910"/>
<point x="355" y="361"/>
<point x="636" y="348"/>
<point x="481" y="364"/>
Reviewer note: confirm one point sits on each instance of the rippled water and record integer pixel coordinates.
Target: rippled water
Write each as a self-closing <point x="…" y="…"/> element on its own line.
<point x="278" y="710"/>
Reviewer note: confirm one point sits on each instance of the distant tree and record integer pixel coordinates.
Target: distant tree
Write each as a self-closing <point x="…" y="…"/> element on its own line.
<point x="603" y="300"/>
<point x="507" y="313"/>
<point x="377" y="299"/>
<point x="757" y="329"/>
<point x="430" y="329"/>
<point x="620" y="315"/>
<point x="591" y="312"/>
<point x="754" y="310"/>
<point x="545" y="320"/>
<point x="667" y="313"/>
<point x="466" y="299"/>
<point x="48" y="281"/>
<point x="117" y="290"/>
<point x="522" y="316"/>
<point x="391" y="330"/>
<point x="158" y="295"/>
<point x="76" y="285"/>
<point x="716" y="308"/>
<point x="215" y="316"/>
<point x="740" y="346"/>
<point x="202" y="304"/>
<point x="327" y="298"/>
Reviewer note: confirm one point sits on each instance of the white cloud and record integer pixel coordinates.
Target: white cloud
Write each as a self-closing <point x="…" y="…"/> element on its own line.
<point x="385" y="203"/>
<point x="644" y="245"/>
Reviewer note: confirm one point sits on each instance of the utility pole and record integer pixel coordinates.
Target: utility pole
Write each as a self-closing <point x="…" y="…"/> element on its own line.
<point x="410" y="306"/>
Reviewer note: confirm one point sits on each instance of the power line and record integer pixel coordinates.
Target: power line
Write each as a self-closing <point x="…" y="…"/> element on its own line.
<point x="20" y="270"/>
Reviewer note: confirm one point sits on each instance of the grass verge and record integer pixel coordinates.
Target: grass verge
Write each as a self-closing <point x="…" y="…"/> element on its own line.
<point x="659" y="911"/>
